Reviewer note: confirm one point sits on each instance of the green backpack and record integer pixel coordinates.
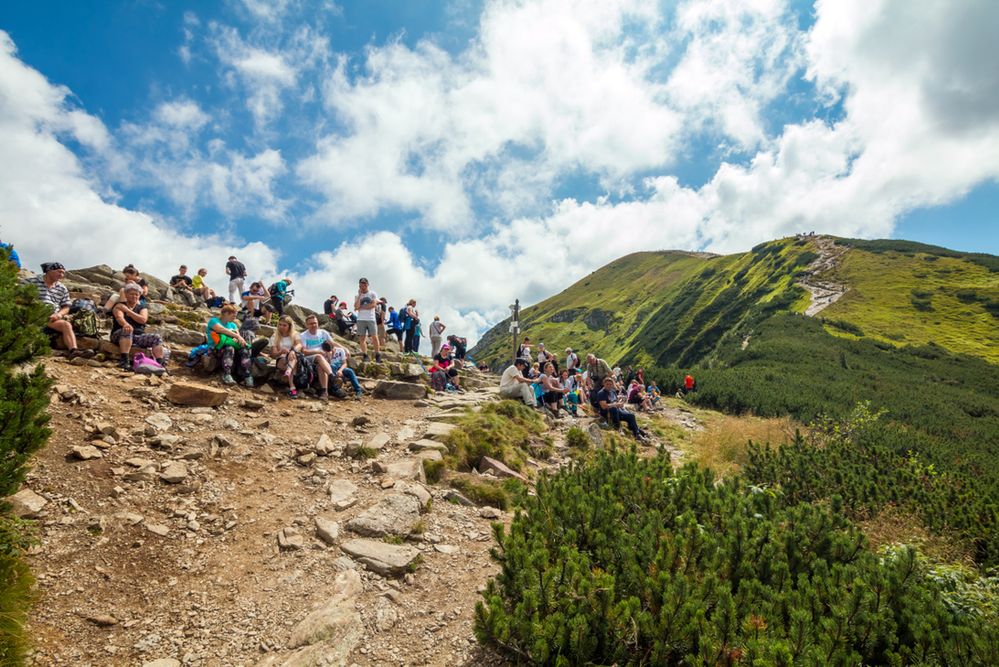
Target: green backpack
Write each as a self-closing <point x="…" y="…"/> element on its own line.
<point x="84" y="318"/>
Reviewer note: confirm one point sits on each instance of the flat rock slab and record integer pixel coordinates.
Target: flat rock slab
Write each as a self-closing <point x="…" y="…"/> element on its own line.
<point x="424" y="445"/>
<point x="407" y="469"/>
<point x="438" y="430"/>
<point x="418" y="491"/>
<point x="192" y="393"/>
<point x="498" y="468"/>
<point x="160" y="421"/>
<point x="430" y="455"/>
<point x="174" y="472"/>
<point x="381" y="557"/>
<point x="343" y="494"/>
<point x="395" y="514"/>
<point x="27" y="504"/>
<point x="400" y="391"/>
<point x="85" y="452"/>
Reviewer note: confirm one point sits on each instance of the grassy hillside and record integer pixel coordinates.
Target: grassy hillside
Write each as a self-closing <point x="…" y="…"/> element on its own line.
<point x="677" y="309"/>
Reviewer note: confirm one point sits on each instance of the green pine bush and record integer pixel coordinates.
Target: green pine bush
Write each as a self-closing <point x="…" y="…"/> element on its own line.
<point x="23" y="430"/>
<point x="624" y="561"/>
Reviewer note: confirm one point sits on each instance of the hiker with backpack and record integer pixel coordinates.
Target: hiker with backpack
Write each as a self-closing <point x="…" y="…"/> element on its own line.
<point x="128" y="328"/>
<point x="366" y="303"/>
<point x="436" y="334"/>
<point x="459" y="345"/>
<point x="280" y="295"/>
<point x="55" y="295"/>
<point x="409" y="318"/>
<point x="229" y="345"/>
<point x="314" y="344"/>
<point x="394" y="326"/>
<point x="237" y="274"/>
<point x="284" y="345"/>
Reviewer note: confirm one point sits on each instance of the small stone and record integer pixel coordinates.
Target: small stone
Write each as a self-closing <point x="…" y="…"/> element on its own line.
<point x="387" y="483"/>
<point x="360" y="420"/>
<point x="174" y="472"/>
<point x="160" y="421"/>
<point x="100" y="620"/>
<point x="190" y="393"/>
<point x="439" y="430"/>
<point x="85" y="452"/>
<point x="446" y="549"/>
<point x="157" y="529"/>
<point x="306" y="459"/>
<point x="251" y="404"/>
<point x="327" y="531"/>
<point x="498" y="468"/>
<point x="416" y="490"/>
<point x="162" y="662"/>
<point x="381" y="557"/>
<point x="457" y="498"/>
<point x="490" y="512"/>
<point x="428" y="445"/>
<point x="395" y="514"/>
<point x="325" y="447"/>
<point x="408" y="469"/>
<point x="289" y="538"/>
<point x="27" y="504"/>
<point x="342" y="494"/>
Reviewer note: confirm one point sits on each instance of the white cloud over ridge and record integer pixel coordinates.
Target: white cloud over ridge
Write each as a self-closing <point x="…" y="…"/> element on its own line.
<point x="546" y="90"/>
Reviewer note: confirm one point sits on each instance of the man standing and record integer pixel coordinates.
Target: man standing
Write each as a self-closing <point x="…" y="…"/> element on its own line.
<point x="613" y="409"/>
<point x="596" y="371"/>
<point x="54" y="294"/>
<point x="513" y="384"/>
<point x="381" y="313"/>
<point x="365" y="304"/>
<point x="237" y="274"/>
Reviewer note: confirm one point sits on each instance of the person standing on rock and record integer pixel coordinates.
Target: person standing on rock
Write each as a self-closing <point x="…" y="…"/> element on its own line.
<point x="237" y="274"/>
<point x="365" y="304"/>
<point x="381" y="314"/>
<point x="436" y="333"/>
<point x="514" y="385"/>
<point x="596" y="370"/>
<point x="54" y="294"/>
<point x="410" y="322"/>
<point x="571" y="359"/>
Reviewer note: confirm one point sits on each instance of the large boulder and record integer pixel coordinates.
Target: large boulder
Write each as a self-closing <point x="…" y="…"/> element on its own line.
<point x="400" y="391"/>
<point x="191" y="393"/>
<point x="395" y="514"/>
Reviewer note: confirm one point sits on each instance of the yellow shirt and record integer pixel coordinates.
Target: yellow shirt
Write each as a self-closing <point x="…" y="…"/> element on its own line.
<point x="197" y="282"/>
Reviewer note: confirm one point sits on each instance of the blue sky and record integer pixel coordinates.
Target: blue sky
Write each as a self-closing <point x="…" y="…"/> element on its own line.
<point x="468" y="153"/>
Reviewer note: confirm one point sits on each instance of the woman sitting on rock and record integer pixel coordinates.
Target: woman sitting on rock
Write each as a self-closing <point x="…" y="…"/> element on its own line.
<point x="283" y="346"/>
<point x="443" y="357"/>
<point x="553" y="390"/>
<point x="224" y="337"/>
<point x="128" y="327"/>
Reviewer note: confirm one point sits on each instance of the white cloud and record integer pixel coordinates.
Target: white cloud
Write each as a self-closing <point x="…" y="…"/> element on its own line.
<point x="181" y="113"/>
<point x="49" y="209"/>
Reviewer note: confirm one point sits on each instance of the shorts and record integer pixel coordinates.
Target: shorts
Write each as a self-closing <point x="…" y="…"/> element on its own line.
<point x="366" y="328"/>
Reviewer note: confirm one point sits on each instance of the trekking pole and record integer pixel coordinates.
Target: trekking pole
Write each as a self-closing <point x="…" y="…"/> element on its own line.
<point x="420" y="363"/>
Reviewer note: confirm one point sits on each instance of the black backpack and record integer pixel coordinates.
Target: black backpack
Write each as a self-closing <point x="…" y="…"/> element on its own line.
<point x="303" y="372"/>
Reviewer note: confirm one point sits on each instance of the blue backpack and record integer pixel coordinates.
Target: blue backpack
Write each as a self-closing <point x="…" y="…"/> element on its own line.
<point x="405" y="321"/>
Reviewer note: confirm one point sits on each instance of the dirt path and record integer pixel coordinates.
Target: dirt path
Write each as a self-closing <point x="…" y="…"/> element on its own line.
<point x="132" y="569"/>
<point x="824" y="293"/>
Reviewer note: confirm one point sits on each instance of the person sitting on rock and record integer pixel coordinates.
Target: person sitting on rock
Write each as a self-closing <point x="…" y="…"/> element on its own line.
<point x="636" y="396"/>
<point x="553" y="391"/>
<point x="316" y="356"/>
<point x="443" y="358"/>
<point x="230" y="346"/>
<point x="199" y="287"/>
<point x="573" y="398"/>
<point x="182" y="285"/>
<point x="571" y="359"/>
<point x="131" y="275"/>
<point x="514" y="385"/>
<point x="612" y="409"/>
<point x="344" y="320"/>
<point x="338" y="363"/>
<point x="254" y="299"/>
<point x="128" y="328"/>
<point x="55" y="295"/>
<point x="653" y="392"/>
<point x="544" y="356"/>
<point x="283" y="346"/>
<point x="459" y="346"/>
<point x="329" y="307"/>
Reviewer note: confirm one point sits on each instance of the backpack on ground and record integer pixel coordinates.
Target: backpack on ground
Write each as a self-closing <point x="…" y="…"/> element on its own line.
<point x="85" y="323"/>
<point x="141" y="363"/>
<point x="216" y="302"/>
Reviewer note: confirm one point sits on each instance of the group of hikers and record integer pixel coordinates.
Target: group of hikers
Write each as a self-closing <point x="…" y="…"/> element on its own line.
<point x="306" y="360"/>
<point x="544" y="385"/>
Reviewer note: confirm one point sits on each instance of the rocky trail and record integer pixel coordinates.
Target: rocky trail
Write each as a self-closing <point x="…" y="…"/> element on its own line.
<point x="824" y="293"/>
<point x="252" y="533"/>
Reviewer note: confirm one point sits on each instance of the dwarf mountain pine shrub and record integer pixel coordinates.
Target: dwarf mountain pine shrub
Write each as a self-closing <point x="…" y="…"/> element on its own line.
<point x="624" y="561"/>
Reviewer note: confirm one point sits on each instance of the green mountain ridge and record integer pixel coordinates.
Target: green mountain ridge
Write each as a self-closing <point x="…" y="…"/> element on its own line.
<point x="675" y="308"/>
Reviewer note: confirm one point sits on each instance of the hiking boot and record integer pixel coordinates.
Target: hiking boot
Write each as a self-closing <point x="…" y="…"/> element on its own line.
<point x="227" y="379"/>
<point x="124" y="364"/>
<point x="324" y="396"/>
<point x="364" y="357"/>
<point x="248" y="382"/>
<point x="358" y="395"/>
<point x="378" y="357"/>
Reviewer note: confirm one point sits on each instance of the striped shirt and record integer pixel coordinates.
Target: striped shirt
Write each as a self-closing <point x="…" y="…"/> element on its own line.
<point x="55" y="297"/>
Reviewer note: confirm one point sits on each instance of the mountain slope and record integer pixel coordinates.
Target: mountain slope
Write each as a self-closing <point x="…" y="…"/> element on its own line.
<point x="676" y="309"/>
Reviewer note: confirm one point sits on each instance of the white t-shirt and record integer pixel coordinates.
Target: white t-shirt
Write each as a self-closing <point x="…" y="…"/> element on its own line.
<point x="364" y="299"/>
<point x="315" y="341"/>
<point x="508" y="379"/>
<point x="436" y="329"/>
<point x="286" y="342"/>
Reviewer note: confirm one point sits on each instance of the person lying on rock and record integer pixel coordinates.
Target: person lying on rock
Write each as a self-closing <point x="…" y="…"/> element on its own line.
<point x="283" y="346"/>
<point x="232" y="349"/>
<point x="55" y="295"/>
<point x="128" y="328"/>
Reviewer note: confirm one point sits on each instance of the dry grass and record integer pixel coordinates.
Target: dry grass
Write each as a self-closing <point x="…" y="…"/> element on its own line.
<point x="894" y="525"/>
<point x="721" y="446"/>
